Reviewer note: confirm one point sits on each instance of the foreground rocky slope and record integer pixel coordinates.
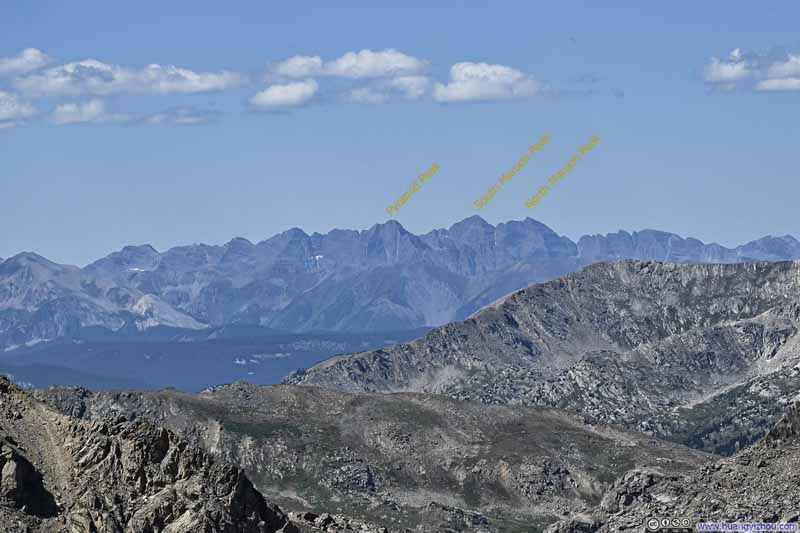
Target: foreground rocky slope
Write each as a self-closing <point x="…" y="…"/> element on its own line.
<point x="60" y="474"/>
<point x="421" y="462"/>
<point x="702" y="354"/>
<point x="758" y="484"/>
<point x="376" y="279"/>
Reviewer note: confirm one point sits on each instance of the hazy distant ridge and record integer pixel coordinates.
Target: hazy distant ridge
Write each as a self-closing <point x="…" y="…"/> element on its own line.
<point x="377" y="279"/>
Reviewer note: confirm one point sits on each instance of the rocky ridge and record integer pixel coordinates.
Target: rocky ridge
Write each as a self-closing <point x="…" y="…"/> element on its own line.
<point x="402" y="461"/>
<point x="63" y="474"/>
<point x="659" y="348"/>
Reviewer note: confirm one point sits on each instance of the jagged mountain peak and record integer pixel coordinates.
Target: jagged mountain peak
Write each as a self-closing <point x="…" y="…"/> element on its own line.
<point x="32" y="258"/>
<point x="38" y="267"/>
<point x="473" y="228"/>
<point x="238" y="242"/>
<point x="290" y="235"/>
<point x="129" y="260"/>
<point x="474" y="221"/>
<point x="391" y="226"/>
<point x="295" y="232"/>
<point x="391" y="243"/>
<point x="140" y="249"/>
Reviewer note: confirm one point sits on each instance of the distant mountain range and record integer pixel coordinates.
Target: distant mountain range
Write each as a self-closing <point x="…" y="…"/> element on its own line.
<point x="383" y="278"/>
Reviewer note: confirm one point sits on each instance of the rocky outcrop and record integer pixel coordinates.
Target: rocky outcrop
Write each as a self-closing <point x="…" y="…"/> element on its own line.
<point x="423" y="462"/>
<point x="630" y="489"/>
<point x="21" y="484"/>
<point x="333" y="523"/>
<point x="116" y="476"/>
<point x="757" y="484"/>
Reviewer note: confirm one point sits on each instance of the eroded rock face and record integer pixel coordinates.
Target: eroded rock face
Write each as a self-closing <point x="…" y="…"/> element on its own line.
<point x="21" y="484"/>
<point x="168" y="484"/>
<point x="630" y="489"/>
<point x="116" y="476"/>
<point x="758" y="484"/>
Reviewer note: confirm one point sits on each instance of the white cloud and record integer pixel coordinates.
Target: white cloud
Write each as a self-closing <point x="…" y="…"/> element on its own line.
<point x="779" y="84"/>
<point x="412" y="87"/>
<point x="286" y="95"/>
<point x="482" y="81"/>
<point x="738" y="66"/>
<point x="788" y="68"/>
<point x="171" y="79"/>
<point x="12" y="110"/>
<point x="92" y="77"/>
<point x="355" y="65"/>
<point x="409" y="87"/>
<point x="182" y="116"/>
<point x="92" y="111"/>
<point x="395" y="74"/>
<point x="27" y="60"/>
<point x="775" y="71"/>
<point x="299" y="67"/>
<point x="369" y="64"/>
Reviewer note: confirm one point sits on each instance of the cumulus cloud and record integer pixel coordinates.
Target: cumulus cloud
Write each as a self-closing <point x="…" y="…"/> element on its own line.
<point x="369" y="64"/>
<point x="13" y="110"/>
<point x="392" y="73"/>
<point x="774" y="71"/>
<point x="92" y="111"/>
<point x="354" y="65"/>
<point x="738" y="66"/>
<point x="92" y="77"/>
<point x="789" y="67"/>
<point x="412" y="87"/>
<point x="375" y="76"/>
<point x="782" y="84"/>
<point x="27" y="60"/>
<point x="285" y="95"/>
<point x="299" y="67"/>
<point x="482" y="81"/>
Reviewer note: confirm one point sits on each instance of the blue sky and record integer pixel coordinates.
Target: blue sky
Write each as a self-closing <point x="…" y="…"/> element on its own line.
<point x="177" y="122"/>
